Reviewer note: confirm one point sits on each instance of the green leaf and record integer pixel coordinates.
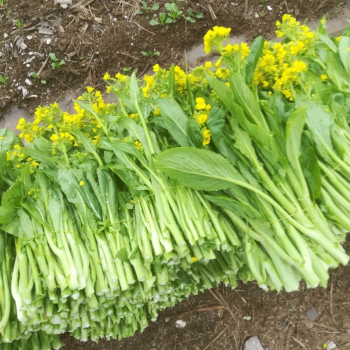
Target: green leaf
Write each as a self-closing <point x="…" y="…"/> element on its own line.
<point x="216" y="121"/>
<point x="138" y="12"/>
<point x="53" y="56"/>
<point x="309" y="164"/>
<point x="344" y="52"/>
<point x="154" y="22"/>
<point x="175" y="120"/>
<point x="88" y="145"/>
<point x="10" y="139"/>
<point x="155" y="7"/>
<point x="223" y="91"/>
<point x="328" y="42"/>
<point x="26" y="224"/>
<point x="122" y="255"/>
<point x="256" y="49"/>
<point x="199" y="169"/>
<point x="246" y="100"/>
<point x="194" y="133"/>
<point x="171" y="81"/>
<point x="134" y="90"/>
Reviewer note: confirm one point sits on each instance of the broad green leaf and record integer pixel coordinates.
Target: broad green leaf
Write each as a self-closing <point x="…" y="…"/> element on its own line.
<point x="35" y="210"/>
<point x="344" y="53"/>
<point x="247" y="101"/>
<point x="171" y="81"/>
<point x="199" y="169"/>
<point x="26" y="224"/>
<point x="223" y="91"/>
<point x="134" y="89"/>
<point x="294" y="129"/>
<point x="10" y="139"/>
<point x="88" y="145"/>
<point x="319" y="122"/>
<point x="328" y="42"/>
<point x="243" y="209"/>
<point x="124" y="97"/>
<point x="40" y="156"/>
<point x="216" y="121"/>
<point x="194" y="133"/>
<point x="190" y="98"/>
<point x="309" y="164"/>
<point x="175" y="120"/>
<point x="256" y="49"/>
<point x="122" y="255"/>
<point x="244" y="144"/>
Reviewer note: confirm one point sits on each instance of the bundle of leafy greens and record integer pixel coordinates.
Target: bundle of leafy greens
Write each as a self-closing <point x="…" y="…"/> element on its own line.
<point x="234" y="171"/>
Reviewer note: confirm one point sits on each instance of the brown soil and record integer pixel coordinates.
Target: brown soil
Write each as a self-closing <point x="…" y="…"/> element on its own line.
<point x="107" y="36"/>
<point x="91" y="47"/>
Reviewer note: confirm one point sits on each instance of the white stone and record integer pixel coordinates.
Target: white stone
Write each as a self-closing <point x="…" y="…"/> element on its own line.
<point x="253" y="343"/>
<point x="180" y="324"/>
<point x="29" y="37"/>
<point x="331" y="345"/>
<point x="269" y="8"/>
<point x="28" y="82"/>
<point x="6" y="35"/>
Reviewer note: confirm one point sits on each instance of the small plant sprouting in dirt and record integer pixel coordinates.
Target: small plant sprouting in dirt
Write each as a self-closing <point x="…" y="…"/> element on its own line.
<point x="192" y="16"/>
<point x="173" y="11"/>
<point x="56" y="64"/>
<point x="35" y="76"/>
<point x="146" y="8"/>
<point x="17" y="22"/>
<point x="171" y="17"/>
<point x="3" y="80"/>
<point x="129" y="70"/>
<point x="150" y="53"/>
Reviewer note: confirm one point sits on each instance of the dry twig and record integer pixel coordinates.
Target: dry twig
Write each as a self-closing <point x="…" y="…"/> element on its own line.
<point x="216" y="338"/>
<point x="299" y="342"/>
<point x="144" y="28"/>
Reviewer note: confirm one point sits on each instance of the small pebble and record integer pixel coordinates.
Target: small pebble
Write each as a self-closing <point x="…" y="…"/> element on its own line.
<point x="180" y="324"/>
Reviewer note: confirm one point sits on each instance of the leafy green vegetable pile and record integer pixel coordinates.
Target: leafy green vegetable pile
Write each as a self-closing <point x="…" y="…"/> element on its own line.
<point x="238" y="171"/>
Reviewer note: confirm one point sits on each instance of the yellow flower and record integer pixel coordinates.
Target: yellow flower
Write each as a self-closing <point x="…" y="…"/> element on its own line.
<point x="156" y="68"/>
<point x="138" y="145"/>
<point x="53" y="152"/>
<point x="49" y="127"/>
<point x="21" y="135"/>
<point x="21" y="155"/>
<point x="207" y="65"/>
<point x="28" y="137"/>
<point x="202" y="118"/>
<point x="157" y="111"/>
<point x="31" y="171"/>
<point x="1" y="137"/>
<point x="94" y="129"/>
<point x="206" y="134"/>
<point x="194" y="259"/>
<point x="54" y="137"/>
<point x="16" y="146"/>
<point x="18" y="166"/>
<point x="208" y="107"/>
<point x="81" y="183"/>
<point x="323" y="21"/>
<point x="109" y="89"/>
<point x="90" y="89"/>
<point x="106" y="77"/>
<point x="200" y="103"/>
<point x="222" y="73"/>
<point x="324" y="77"/>
<point x="35" y="164"/>
<point x="338" y="38"/>
<point x="215" y="37"/>
<point x="8" y="156"/>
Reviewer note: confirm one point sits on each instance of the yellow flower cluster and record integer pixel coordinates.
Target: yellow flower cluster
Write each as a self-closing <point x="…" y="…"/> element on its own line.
<point x="215" y="37"/>
<point x="180" y="79"/>
<point x="292" y="29"/>
<point x="149" y="79"/>
<point x="197" y="75"/>
<point x="231" y="50"/>
<point x="201" y="116"/>
<point x="280" y="65"/>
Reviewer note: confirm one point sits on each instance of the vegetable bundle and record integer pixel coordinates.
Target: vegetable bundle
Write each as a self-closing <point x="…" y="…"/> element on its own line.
<point x="239" y="170"/>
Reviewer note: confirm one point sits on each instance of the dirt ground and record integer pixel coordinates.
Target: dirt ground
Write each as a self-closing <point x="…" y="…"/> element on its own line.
<point x="108" y="36"/>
